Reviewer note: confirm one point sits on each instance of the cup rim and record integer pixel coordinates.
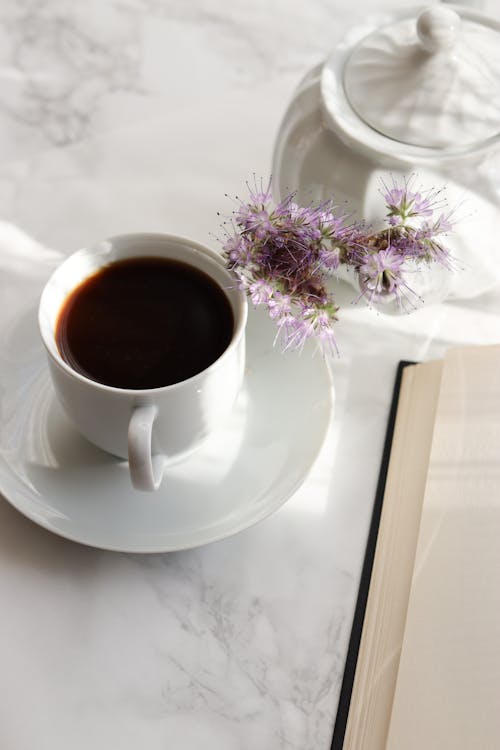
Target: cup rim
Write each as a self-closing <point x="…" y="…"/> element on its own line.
<point x="241" y="316"/>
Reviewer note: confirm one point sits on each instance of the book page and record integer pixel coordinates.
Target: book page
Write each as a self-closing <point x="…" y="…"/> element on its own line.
<point x="378" y="658"/>
<point x="448" y="686"/>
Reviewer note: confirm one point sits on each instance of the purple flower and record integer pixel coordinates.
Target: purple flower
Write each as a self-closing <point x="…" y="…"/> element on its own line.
<point x="260" y="195"/>
<point x="254" y="220"/>
<point x="440" y="225"/>
<point x="260" y="292"/>
<point x="279" y="305"/>
<point x="314" y="323"/>
<point x="299" y="331"/>
<point x="381" y="276"/>
<point x="404" y="203"/>
<point x="334" y="227"/>
<point x="381" y="269"/>
<point x="237" y="250"/>
<point x="283" y="255"/>
<point x="329" y="258"/>
<point x="324" y="332"/>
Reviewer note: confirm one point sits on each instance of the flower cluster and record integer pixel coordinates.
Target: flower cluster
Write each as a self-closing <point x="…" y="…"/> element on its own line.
<point x="283" y="255"/>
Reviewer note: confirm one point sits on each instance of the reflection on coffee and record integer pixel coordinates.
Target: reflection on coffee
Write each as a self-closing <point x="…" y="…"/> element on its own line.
<point x="144" y="323"/>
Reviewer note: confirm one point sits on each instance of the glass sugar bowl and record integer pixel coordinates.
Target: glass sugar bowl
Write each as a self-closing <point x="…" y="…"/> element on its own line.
<point x="414" y="93"/>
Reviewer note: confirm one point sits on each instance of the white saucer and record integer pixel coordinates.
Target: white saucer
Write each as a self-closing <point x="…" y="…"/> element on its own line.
<point x="237" y="477"/>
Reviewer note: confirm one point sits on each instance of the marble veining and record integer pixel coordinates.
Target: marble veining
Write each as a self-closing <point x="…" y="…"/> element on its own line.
<point x="63" y="65"/>
<point x="60" y="61"/>
<point x="129" y="115"/>
<point x="245" y="642"/>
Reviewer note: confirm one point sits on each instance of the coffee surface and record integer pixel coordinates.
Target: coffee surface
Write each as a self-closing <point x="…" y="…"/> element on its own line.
<point x="144" y="323"/>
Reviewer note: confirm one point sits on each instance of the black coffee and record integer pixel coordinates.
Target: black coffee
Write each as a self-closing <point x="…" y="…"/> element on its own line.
<point x="144" y="323"/>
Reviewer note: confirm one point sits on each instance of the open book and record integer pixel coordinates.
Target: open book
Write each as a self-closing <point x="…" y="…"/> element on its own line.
<point x="426" y="670"/>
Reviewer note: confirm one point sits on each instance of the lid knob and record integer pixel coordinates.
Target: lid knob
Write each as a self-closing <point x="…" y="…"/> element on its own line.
<point x="437" y="28"/>
<point x="431" y="81"/>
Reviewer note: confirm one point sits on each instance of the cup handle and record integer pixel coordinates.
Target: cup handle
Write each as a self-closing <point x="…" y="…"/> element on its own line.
<point x="146" y="470"/>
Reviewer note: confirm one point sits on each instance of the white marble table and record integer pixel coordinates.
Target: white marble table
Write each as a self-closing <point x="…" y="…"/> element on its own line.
<point x="126" y="115"/>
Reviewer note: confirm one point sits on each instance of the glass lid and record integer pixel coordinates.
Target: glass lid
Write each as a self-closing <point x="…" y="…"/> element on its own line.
<point x="431" y="81"/>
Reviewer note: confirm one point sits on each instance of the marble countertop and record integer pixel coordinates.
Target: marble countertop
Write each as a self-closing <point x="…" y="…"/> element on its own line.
<point x="133" y="115"/>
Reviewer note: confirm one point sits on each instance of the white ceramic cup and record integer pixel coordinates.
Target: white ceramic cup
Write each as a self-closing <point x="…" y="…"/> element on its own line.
<point x="155" y="426"/>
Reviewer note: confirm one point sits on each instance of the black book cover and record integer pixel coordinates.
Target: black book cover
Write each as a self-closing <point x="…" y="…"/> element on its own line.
<point x="364" y="586"/>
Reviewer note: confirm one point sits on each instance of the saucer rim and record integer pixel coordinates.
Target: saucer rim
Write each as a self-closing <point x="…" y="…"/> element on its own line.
<point x="14" y="491"/>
